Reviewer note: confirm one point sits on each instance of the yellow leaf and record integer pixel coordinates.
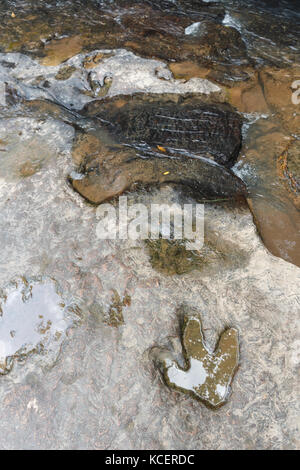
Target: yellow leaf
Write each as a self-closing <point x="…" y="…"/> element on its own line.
<point x="13" y="15"/>
<point x="166" y="173"/>
<point x="162" y="149"/>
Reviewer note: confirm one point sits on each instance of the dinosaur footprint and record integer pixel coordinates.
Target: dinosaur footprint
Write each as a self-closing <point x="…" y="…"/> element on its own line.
<point x="207" y="376"/>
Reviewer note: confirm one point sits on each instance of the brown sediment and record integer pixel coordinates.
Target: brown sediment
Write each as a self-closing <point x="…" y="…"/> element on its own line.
<point x="248" y="96"/>
<point x="86" y="145"/>
<point x="59" y="50"/>
<point x="206" y="376"/>
<point x="188" y="69"/>
<point x="278" y="227"/>
<point x="29" y="168"/>
<point x="115" y="313"/>
<point x="93" y="60"/>
<point x="277" y="88"/>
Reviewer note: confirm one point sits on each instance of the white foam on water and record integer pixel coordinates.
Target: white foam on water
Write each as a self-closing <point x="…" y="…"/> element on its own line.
<point x="192" y="29"/>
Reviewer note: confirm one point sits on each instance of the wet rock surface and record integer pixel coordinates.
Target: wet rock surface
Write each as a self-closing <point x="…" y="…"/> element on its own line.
<point x="97" y="387"/>
<point x="171" y="144"/>
<point x="271" y="34"/>
<point x="101" y="181"/>
<point x="52" y="33"/>
<point x="209" y="131"/>
<point x="110" y="173"/>
<point x="104" y="376"/>
<point x="263" y="166"/>
<point x="28" y="79"/>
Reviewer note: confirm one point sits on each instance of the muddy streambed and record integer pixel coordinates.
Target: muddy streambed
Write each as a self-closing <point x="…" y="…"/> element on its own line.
<point x="163" y="102"/>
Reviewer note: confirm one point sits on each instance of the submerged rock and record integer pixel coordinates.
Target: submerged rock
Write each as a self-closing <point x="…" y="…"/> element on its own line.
<point x="191" y="8"/>
<point x="279" y="87"/>
<point x="218" y="43"/>
<point x="271" y="33"/>
<point x="207" y="376"/>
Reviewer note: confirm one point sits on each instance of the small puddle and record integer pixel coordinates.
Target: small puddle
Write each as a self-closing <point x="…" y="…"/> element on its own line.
<point x="32" y="319"/>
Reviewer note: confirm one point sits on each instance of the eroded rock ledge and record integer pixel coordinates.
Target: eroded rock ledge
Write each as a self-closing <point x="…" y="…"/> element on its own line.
<point x="159" y="143"/>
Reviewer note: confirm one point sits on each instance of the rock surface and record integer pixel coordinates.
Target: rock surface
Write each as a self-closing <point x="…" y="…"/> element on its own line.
<point x="177" y="144"/>
<point x="104" y="376"/>
<point x="271" y="197"/>
<point x="210" y="131"/>
<point x="99" y="389"/>
<point x="31" y="79"/>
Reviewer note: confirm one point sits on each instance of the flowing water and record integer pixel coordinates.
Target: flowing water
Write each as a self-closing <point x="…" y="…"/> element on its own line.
<point x="79" y="316"/>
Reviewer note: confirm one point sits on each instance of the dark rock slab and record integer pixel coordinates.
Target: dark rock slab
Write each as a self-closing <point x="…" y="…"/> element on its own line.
<point x="210" y="131"/>
<point x="151" y="142"/>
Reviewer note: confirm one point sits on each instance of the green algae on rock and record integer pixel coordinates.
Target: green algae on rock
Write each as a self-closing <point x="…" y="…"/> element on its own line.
<point x="207" y="376"/>
<point x="171" y="257"/>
